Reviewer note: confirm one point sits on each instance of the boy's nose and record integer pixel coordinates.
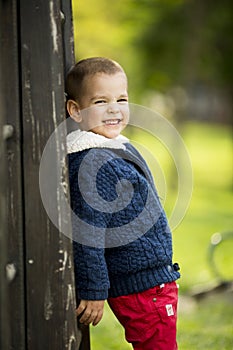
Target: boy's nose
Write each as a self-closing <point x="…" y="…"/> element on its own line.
<point x="113" y="107"/>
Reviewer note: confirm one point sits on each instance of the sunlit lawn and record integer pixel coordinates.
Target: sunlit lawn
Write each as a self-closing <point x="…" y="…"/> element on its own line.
<point x="209" y="325"/>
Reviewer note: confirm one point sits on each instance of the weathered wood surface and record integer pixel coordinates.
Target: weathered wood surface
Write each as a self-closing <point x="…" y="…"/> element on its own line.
<point x="38" y="298"/>
<point x="4" y="314"/>
<point x="10" y="96"/>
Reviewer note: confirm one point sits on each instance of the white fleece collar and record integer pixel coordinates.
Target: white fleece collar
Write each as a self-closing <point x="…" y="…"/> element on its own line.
<point x="80" y="140"/>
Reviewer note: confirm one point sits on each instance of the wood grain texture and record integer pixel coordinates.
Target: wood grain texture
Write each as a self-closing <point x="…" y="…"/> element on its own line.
<point x="38" y="289"/>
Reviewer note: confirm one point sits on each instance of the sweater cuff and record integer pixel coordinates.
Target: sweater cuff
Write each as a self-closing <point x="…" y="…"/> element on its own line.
<point x="93" y="294"/>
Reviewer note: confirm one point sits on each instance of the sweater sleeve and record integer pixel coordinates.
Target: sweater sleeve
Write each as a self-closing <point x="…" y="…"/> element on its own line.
<point x="91" y="274"/>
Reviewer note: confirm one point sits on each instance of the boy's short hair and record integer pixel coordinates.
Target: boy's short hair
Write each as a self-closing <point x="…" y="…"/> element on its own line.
<point x="88" y="67"/>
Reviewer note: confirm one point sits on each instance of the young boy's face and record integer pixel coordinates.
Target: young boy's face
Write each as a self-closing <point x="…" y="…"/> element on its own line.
<point x="104" y="104"/>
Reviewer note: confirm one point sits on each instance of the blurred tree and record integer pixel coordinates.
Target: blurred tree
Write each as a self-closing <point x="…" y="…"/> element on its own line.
<point x="189" y="40"/>
<point x="111" y="30"/>
<point x="162" y="44"/>
<point x="188" y="43"/>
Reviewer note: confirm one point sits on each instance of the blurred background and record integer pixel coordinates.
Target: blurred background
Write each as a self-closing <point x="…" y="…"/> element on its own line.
<point x="178" y="56"/>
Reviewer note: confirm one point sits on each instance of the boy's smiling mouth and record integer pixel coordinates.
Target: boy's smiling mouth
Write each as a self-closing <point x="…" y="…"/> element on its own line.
<point x="112" y="121"/>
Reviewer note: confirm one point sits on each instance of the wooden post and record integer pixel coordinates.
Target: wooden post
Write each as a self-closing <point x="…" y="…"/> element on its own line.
<point x="14" y="236"/>
<point x="4" y="314"/>
<point x="37" y="293"/>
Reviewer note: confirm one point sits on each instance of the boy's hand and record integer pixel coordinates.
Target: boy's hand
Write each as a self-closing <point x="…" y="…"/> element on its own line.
<point x="91" y="310"/>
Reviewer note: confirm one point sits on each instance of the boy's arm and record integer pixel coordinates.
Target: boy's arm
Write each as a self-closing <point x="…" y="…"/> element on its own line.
<point x="92" y="282"/>
<point x="91" y="273"/>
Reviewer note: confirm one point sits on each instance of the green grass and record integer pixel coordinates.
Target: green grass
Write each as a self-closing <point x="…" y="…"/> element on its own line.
<point x="108" y="334"/>
<point x="209" y="325"/>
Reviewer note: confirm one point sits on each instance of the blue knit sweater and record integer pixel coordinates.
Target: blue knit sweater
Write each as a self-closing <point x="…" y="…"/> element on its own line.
<point x="122" y="241"/>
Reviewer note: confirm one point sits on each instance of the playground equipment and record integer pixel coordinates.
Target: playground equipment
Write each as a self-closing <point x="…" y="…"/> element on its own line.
<point x="215" y="254"/>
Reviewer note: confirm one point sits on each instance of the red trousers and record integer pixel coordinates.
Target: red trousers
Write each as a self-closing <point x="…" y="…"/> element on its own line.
<point x="149" y="318"/>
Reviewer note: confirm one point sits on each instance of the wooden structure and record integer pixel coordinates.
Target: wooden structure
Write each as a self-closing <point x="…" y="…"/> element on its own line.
<point x="36" y="278"/>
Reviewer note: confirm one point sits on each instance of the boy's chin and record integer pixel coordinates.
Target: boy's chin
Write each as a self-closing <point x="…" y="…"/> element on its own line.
<point x="112" y="135"/>
<point x="108" y="134"/>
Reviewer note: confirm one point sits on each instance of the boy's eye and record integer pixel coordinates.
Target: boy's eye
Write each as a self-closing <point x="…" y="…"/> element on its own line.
<point x="122" y="100"/>
<point x="100" y="102"/>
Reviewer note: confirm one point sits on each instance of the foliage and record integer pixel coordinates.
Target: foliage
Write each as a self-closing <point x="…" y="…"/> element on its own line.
<point x="188" y="41"/>
<point x="160" y="43"/>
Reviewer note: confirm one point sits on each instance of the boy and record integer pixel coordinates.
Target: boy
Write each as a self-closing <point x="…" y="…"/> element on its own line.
<point x="123" y="246"/>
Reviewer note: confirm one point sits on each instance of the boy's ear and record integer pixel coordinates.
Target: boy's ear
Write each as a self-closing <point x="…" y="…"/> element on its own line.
<point x="74" y="110"/>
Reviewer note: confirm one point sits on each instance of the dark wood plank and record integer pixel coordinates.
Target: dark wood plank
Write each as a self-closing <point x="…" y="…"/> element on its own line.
<point x="4" y="312"/>
<point x="67" y="34"/>
<point x="69" y="59"/>
<point x="10" y="94"/>
<point x="51" y="321"/>
<point x="37" y="299"/>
